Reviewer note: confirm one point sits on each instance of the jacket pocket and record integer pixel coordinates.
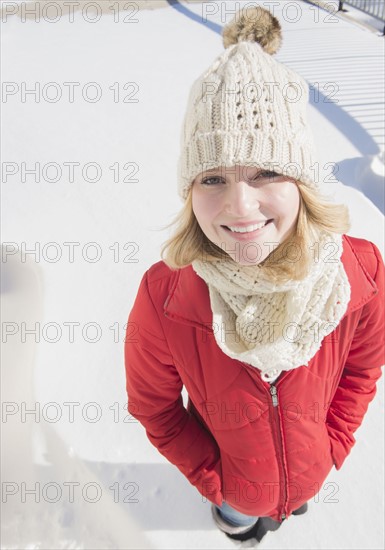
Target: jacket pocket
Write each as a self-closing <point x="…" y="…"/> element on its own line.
<point x="211" y="484"/>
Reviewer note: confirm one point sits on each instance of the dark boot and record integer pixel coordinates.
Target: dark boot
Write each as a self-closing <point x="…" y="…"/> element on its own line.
<point x="258" y="531"/>
<point x="301" y="510"/>
<point x="231" y="531"/>
<point x="263" y="525"/>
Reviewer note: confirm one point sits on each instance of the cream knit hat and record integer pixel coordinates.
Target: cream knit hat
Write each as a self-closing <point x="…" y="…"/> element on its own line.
<point x="247" y="108"/>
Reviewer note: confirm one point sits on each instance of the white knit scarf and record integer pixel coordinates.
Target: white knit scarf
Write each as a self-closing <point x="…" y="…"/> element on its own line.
<point x="276" y="327"/>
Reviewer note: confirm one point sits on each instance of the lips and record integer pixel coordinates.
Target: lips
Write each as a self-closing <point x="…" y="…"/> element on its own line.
<point x="245" y="232"/>
<point x="247" y="227"/>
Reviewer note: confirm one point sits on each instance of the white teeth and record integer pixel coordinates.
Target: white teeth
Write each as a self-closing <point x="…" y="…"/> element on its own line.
<point x="248" y="228"/>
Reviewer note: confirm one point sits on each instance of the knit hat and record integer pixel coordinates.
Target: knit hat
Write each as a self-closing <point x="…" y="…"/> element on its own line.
<point x="247" y="108"/>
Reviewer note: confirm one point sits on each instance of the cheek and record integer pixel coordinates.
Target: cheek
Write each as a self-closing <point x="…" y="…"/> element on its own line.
<point x="203" y="208"/>
<point x="197" y="206"/>
<point x="286" y="200"/>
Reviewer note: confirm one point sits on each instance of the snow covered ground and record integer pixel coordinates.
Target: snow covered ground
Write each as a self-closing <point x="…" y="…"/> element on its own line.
<point x="102" y="131"/>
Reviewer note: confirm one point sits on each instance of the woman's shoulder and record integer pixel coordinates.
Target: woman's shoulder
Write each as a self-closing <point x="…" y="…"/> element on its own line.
<point x="160" y="271"/>
<point x="159" y="280"/>
<point x="361" y="245"/>
<point x="160" y="268"/>
<point x="366" y="252"/>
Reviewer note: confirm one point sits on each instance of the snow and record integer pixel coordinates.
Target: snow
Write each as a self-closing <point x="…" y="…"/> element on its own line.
<point x="80" y="433"/>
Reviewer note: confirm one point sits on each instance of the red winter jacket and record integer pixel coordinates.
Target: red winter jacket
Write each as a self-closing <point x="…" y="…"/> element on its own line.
<point x="263" y="448"/>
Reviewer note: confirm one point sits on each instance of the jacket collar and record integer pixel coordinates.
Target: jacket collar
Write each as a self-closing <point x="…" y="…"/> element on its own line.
<point x="188" y="301"/>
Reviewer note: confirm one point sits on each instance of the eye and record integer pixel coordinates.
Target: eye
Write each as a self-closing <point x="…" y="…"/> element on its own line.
<point x="212" y="180"/>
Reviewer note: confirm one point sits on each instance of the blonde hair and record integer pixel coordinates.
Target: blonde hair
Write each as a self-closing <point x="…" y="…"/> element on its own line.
<point x="316" y="212"/>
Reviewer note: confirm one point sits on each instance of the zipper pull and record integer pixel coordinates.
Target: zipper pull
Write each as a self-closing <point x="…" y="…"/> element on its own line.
<point x="273" y="391"/>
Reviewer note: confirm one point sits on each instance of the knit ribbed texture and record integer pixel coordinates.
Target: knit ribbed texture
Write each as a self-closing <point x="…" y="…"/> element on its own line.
<point x="247" y="109"/>
<point x="276" y="327"/>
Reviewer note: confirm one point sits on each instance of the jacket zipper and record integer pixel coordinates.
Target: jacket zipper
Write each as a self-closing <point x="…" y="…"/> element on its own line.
<point x="274" y="396"/>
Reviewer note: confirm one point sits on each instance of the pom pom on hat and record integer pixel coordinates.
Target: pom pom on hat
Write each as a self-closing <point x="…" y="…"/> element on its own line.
<point x="256" y="25"/>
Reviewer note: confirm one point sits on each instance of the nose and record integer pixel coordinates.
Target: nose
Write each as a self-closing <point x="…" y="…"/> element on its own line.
<point x="241" y="199"/>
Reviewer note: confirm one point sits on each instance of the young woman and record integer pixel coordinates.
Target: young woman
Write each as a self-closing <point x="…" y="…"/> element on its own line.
<point x="263" y="308"/>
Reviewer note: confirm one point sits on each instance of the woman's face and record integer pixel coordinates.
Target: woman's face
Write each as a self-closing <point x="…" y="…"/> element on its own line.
<point x="231" y="205"/>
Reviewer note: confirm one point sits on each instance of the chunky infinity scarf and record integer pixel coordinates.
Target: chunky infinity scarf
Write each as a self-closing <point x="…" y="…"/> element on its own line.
<point x="276" y="327"/>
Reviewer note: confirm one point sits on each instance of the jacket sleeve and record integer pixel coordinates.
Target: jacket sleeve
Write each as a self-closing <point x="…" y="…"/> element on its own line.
<point x="362" y="369"/>
<point x="155" y="400"/>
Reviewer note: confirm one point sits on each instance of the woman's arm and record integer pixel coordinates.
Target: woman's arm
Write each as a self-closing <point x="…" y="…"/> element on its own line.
<point x="154" y="398"/>
<point x="362" y="369"/>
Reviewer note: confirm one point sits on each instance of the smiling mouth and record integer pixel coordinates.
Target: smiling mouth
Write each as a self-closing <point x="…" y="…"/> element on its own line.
<point x="247" y="229"/>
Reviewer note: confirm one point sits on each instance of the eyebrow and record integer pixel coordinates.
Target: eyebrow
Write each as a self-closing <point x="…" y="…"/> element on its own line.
<point x="223" y="170"/>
